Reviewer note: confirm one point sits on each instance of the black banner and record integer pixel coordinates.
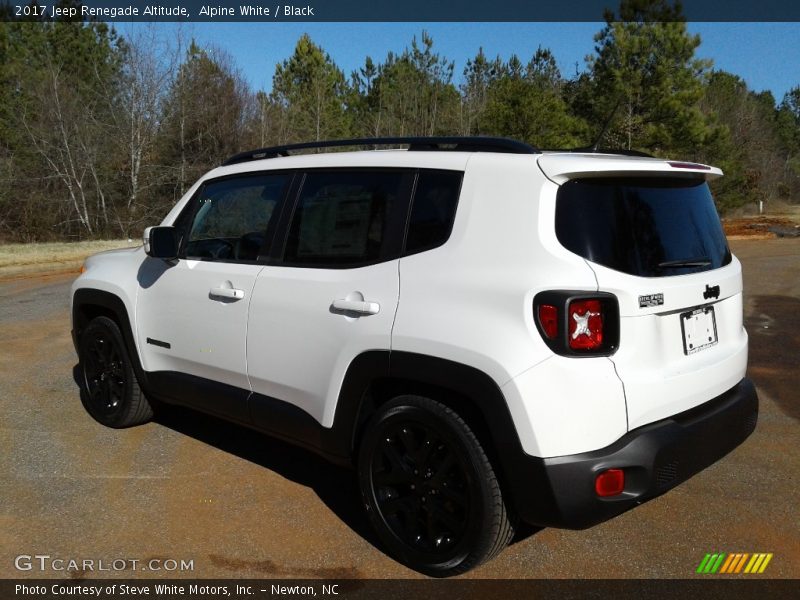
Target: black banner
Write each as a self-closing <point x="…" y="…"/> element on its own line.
<point x="483" y="589"/>
<point x="371" y="11"/>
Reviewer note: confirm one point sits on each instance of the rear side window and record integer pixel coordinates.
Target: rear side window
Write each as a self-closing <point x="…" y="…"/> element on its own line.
<point x="433" y="210"/>
<point x="650" y="227"/>
<point x="341" y="218"/>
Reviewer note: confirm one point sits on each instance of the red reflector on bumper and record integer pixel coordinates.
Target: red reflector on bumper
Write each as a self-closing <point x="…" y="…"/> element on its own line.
<point x="610" y="483"/>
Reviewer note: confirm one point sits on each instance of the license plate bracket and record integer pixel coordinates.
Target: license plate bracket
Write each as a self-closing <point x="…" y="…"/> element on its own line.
<point x="699" y="328"/>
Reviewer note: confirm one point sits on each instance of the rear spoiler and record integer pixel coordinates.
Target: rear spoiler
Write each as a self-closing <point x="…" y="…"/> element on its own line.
<point x="561" y="167"/>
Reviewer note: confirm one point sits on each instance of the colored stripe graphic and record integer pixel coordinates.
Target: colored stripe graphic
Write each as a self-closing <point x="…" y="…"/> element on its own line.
<point x="711" y="563"/>
<point x="727" y="564"/>
<point x="730" y="564"/>
<point x="737" y="562"/>
<point x="754" y="563"/>
<point x="703" y="563"/>
<point x="733" y="563"/>
<point x="718" y="563"/>
<point x="766" y="562"/>
<point x="741" y="563"/>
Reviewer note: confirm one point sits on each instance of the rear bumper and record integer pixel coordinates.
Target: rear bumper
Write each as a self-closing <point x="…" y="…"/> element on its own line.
<point x="655" y="458"/>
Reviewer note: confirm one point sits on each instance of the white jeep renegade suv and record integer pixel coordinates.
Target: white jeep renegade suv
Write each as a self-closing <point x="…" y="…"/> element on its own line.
<point x="490" y="333"/>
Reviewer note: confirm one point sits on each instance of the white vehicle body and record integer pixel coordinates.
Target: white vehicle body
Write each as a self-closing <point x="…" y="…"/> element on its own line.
<point x="274" y="334"/>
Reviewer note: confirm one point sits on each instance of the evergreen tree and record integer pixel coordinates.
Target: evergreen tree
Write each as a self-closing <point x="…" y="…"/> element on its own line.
<point x="311" y="92"/>
<point x="788" y="119"/>
<point x="788" y="127"/>
<point x="644" y="66"/>
<point x="527" y="103"/>
<point x="53" y="125"/>
<point x="479" y="73"/>
<point x="413" y="94"/>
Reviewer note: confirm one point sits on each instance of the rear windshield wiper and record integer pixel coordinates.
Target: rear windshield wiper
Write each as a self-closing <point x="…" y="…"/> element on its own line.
<point x="700" y="261"/>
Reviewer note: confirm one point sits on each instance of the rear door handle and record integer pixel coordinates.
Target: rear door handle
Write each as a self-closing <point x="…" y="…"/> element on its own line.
<point x="228" y="293"/>
<point x="361" y="307"/>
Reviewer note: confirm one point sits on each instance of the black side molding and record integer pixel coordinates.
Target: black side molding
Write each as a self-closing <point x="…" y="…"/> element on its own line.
<point x="206" y="395"/>
<point x="159" y="343"/>
<point x="276" y="417"/>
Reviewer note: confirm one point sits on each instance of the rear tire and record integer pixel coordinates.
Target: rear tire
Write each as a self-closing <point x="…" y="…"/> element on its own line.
<point x="110" y="392"/>
<point x="429" y="489"/>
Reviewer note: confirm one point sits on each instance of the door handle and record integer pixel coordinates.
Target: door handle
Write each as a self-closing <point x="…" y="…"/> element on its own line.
<point x="227" y="293"/>
<point x="361" y="307"/>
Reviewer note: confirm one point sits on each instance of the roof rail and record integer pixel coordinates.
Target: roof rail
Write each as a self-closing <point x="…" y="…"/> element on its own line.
<point x="452" y="143"/>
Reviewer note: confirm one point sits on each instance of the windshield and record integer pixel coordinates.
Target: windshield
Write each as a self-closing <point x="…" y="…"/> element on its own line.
<point x="650" y="227"/>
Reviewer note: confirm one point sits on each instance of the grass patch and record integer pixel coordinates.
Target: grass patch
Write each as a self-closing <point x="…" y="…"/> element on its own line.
<point x="34" y="255"/>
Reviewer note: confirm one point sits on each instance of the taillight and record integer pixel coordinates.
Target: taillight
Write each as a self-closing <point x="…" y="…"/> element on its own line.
<point x="548" y="317"/>
<point x="585" y="324"/>
<point x="576" y="323"/>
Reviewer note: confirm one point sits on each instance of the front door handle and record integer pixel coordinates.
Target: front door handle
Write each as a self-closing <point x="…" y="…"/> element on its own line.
<point x="227" y="293"/>
<point x="361" y="307"/>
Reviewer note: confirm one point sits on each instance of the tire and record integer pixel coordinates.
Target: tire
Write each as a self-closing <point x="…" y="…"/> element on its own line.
<point x="429" y="489"/>
<point x="110" y="392"/>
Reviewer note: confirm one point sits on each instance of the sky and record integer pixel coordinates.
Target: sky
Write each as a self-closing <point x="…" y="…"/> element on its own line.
<point x="765" y="55"/>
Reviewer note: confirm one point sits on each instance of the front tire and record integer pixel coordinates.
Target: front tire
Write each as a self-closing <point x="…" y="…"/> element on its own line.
<point x="430" y="491"/>
<point x="110" y="392"/>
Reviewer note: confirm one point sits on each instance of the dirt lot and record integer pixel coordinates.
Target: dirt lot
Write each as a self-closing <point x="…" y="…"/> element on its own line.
<point x="783" y="222"/>
<point x="242" y="505"/>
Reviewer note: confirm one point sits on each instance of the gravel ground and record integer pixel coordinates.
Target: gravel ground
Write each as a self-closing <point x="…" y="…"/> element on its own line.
<point x="238" y="504"/>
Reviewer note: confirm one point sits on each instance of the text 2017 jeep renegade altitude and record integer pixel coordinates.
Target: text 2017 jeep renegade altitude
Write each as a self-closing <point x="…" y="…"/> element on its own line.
<point x="488" y="332"/>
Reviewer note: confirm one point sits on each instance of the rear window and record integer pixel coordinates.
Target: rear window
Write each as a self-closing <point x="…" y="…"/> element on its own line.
<point x="650" y="227"/>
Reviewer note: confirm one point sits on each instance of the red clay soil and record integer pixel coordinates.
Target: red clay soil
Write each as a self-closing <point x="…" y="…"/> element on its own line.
<point x="754" y="227"/>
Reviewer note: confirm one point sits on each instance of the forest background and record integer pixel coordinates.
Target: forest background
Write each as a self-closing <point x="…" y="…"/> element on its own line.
<point x="100" y="134"/>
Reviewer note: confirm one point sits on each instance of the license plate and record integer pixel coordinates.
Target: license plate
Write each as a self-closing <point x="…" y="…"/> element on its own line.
<point x="699" y="328"/>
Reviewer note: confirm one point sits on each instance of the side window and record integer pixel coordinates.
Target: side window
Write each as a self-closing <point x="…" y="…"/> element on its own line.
<point x="433" y="210"/>
<point x="341" y="218"/>
<point x="231" y="217"/>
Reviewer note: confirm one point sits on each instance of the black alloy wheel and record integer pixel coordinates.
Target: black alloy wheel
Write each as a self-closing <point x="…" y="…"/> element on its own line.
<point x="110" y="392"/>
<point x="430" y="491"/>
<point x="103" y="373"/>
<point x="421" y="487"/>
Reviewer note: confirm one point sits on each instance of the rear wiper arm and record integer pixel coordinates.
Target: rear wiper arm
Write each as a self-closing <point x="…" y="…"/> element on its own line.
<point x="700" y="261"/>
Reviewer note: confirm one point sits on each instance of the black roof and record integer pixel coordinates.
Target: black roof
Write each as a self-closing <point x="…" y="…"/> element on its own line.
<point x="446" y="143"/>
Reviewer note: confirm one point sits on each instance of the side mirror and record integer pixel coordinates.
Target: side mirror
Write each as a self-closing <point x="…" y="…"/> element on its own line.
<point x="161" y="242"/>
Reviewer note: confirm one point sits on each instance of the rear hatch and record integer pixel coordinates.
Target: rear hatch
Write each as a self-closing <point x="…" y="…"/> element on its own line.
<point x="650" y="232"/>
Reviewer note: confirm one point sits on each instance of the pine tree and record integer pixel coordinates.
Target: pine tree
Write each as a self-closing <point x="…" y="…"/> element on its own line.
<point x="644" y="66"/>
<point x="479" y="73"/>
<point x="526" y="102"/>
<point x="311" y="92"/>
<point x="413" y="93"/>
